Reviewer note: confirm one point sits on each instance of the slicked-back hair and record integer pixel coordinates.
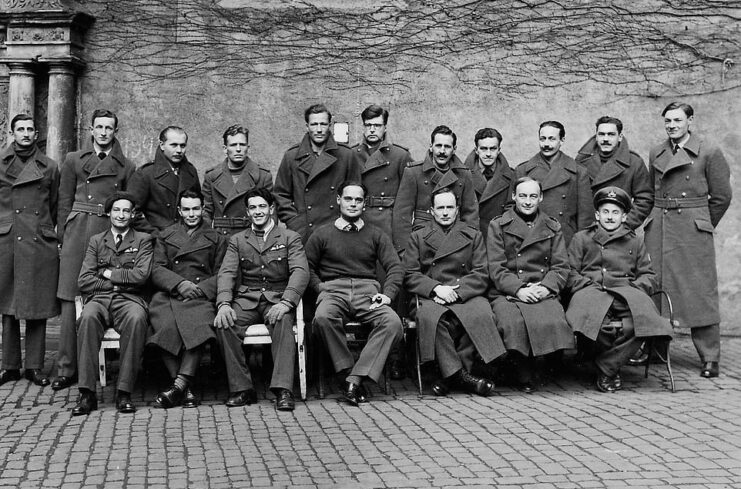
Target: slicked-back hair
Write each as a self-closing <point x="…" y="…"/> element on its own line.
<point x="259" y="192"/>
<point x="351" y="183"/>
<point x="487" y="132"/>
<point x="527" y="179"/>
<point x="686" y="108"/>
<point x="104" y="113"/>
<point x="373" y="111"/>
<point x="556" y="124"/>
<point x="606" y="119"/>
<point x="119" y="195"/>
<point x="21" y="117"/>
<point x="190" y="193"/>
<point x="234" y="130"/>
<point x="317" y="109"/>
<point x="165" y="131"/>
<point x="445" y="131"/>
<point x="441" y="191"/>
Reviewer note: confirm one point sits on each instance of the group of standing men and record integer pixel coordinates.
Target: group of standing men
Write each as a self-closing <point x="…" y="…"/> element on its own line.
<point x="474" y="237"/>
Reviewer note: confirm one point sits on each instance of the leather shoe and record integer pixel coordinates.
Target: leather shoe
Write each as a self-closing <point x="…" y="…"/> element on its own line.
<point x="605" y="383"/>
<point x="285" y="401"/>
<point x="8" y="375"/>
<point x="242" y="398"/>
<point x="710" y="369"/>
<point x="170" y="398"/>
<point x="396" y="370"/>
<point x="86" y="403"/>
<point x="351" y="393"/>
<point x="124" y="404"/>
<point x="527" y="387"/>
<point x="36" y="376"/>
<point x="190" y="400"/>
<point x="475" y="385"/>
<point x="441" y="387"/>
<point x="63" y="382"/>
<point x="640" y="358"/>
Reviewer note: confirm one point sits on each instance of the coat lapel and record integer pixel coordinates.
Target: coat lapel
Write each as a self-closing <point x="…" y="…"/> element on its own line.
<point x="377" y="159"/>
<point x="451" y="242"/>
<point x="500" y="182"/>
<point x="247" y="181"/>
<point x="188" y="244"/>
<point x="602" y="237"/>
<point x="31" y="172"/>
<point x="539" y="232"/>
<point x="561" y="172"/>
<point x="164" y="175"/>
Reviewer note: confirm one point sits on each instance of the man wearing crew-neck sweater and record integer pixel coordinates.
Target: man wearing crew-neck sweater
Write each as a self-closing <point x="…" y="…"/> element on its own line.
<point x="343" y="256"/>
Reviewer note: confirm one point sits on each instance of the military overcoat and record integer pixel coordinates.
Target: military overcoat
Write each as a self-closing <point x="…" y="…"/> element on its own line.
<point x="306" y="187"/>
<point x="85" y="183"/>
<point x="612" y="265"/>
<point x="494" y="195"/>
<point x="414" y="198"/>
<point x="29" y="255"/>
<point x="692" y="193"/>
<point x="455" y="258"/>
<point x="520" y="255"/>
<point x="624" y="169"/>
<point x="381" y="175"/>
<point x="224" y="203"/>
<point x="156" y="188"/>
<point x="567" y="193"/>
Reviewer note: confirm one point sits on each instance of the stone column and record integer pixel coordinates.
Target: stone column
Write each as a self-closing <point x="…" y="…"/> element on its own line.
<point x="21" y="93"/>
<point x="60" y="138"/>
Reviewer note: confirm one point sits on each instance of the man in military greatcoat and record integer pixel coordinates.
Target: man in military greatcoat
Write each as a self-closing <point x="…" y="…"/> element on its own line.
<point x="441" y="168"/>
<point x="309" y="174"/>
<point x="225" y="185"/>
<point x="116" y="267"/>
<point x="491" y="174"/>
<point x="446" y="267"/>
<point x="529" y="266"/>
<point x="87" y="178"/>
<point x="611" y="306"/>
<point x="690" y="178"/>
<point x="157" y="184"/>
<point x="609" y="162"/>
<point x="29" y="259"/>
<point x="567" y="193"/>
<point x="261" y="280"/>
<point x="187" y="257"/>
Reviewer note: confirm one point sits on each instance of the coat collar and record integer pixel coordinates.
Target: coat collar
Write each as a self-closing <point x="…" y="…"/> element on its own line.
<point x="562" y="169"/>
<point x="224" y="184"/>
<point x="448" y="243"/>
<point x="274" y="236"/>
<point x="165" y="176"/>
<point x="377" y="159"/>
<point x="602" y="237"/>
<point x="127" y="242"/>
<point x="455" y="164"/>
<point x="603" y="172"/>
<point x="666" y="161"/>
<point x="186" y="243"/>
<point x="542" y="228"/>
<point x="500" y="182"/>
<point x="304" y="155"/>
<point x="94" y="166"/>
<point x="31" y="171"/>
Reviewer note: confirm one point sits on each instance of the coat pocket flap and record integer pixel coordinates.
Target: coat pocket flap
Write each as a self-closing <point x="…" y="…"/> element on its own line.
<point x="704" y="225"/>
<point x="48" y="232"/>
<point x="5" y="227"/>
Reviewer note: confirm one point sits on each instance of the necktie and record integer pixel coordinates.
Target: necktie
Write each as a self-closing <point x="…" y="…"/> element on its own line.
<point x="119" y="239"/>
<point x="352" y="227"/>
<point x="488" y="172"/>
<point x="675" y="149"/>
<point x="101" y="155"/>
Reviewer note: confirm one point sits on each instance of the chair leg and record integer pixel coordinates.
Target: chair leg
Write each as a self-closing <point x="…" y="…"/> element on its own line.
<point x="418" y="364"/>
<point x="650" y="347"/>
<point x="319" y="363"/>
<point x="302" y="368"/>
<point x="101" y="366"/>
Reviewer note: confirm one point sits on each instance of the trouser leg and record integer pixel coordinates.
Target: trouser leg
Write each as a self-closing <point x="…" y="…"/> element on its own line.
<point x="524" y="366"/>
<point x="172" y="363"/>
<point x="283" y="350"/>
<point x="445" y="351"/>
<point x="67" y="350"/>
<point x="707" y="342"/>
<point x="89" y="336"/>
<point x="130" y="321"/>
<point x="615" y="349"/>
<point x="230" y="345"/>
<point x="190" y="361"/>
<point x="11" y="343"/>
<point x="329" y="319"/>
<point x="35" y="343"/>
<point x="386" y="332"/>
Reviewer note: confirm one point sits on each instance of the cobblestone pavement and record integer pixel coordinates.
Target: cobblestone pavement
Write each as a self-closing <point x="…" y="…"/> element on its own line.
<point x="566" y="435"/>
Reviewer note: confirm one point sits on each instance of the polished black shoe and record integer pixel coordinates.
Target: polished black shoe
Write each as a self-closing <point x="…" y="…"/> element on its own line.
<point x="242" y="398"/>
<point x="640" y="358"/>
<point x="710" y="369"/>
<point x="351" y="393"/>
<point x="441" y="387"/>
<point x="9" y="375"/>
<point x="124" y="404"/>
<point x="170" y="398"/>
<point x="36" y="376"/>
<point x="605" y="383"/>
<point x="285" y="401"/>
<point x="86" y="403"/>
<point x="475" y="385"/>
<point x="63" y="382"/>
<point x="396" y="370"/>
<point x="190" y="400"/>
<point x="527" y="387"/>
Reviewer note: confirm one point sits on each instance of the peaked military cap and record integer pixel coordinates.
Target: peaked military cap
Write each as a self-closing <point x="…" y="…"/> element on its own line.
<point x="613" y="195"/>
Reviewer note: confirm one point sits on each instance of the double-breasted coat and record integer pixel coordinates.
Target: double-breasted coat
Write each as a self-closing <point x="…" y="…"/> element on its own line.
<point x="458" y="257"/>
<point x="521" y="254"/>
<point x="494" y="195"/>
<point x="381" y="175"/>
<point x="692" y="193"/>
<point x="177" y="323"/>
<point x="414" y="198"/>
<point x="29" y="256"/>
<point x="567" y="193"/>
<point x="156" y="188"/>
<point x="277" y="270"/>
<point x="612" y="265"/>
<point x="306" y="185"/>
<point x="624" y="169"/>
<point x="224" y="204"/>
<point x="85" y="183"/>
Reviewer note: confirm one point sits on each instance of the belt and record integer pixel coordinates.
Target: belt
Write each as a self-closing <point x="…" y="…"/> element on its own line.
<point x="681" y="202"/>
<point x="231" y="222"/>
<point x="374" y="201"/>
<point x="96" y="209"/>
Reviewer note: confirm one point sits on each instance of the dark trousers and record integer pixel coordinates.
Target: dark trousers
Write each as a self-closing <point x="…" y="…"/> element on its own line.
<point x="343" y="299"/>
<point x="184" y="364"/>
<point x="35" y="343"/>
<point x="67" y="350"/>
<point x="283" y="348"/>
<point x="615" y="346"/>
<point x="129" y="319"/>
<point x="454" y="349"/>
<point x="707" y="342"/>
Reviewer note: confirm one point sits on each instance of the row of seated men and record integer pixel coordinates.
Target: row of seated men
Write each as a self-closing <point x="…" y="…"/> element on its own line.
<point x="398" y="203"/>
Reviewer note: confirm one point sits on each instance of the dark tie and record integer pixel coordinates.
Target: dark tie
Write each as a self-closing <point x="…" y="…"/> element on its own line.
<point x="119" y="238"/>
<point x="101" y="155"/>
<point x="351" y="227"/>
<point x="675" y="148"/>
<point x="488" y="172"/>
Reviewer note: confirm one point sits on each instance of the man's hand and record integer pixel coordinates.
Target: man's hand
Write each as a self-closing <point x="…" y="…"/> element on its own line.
<point x="541" y="291"/>
<point x="226" y="317"/>
<point x="188" y="290"/>
<point x="107" y="273"/>
<point x="528" y="294"/>
<point x="276" y="313"/>
<point x="379" y="300"/>
<point x="446" y="294"/>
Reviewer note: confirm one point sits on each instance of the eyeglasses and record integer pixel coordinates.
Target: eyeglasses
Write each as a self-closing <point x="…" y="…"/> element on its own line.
<point x="373" y="126"/>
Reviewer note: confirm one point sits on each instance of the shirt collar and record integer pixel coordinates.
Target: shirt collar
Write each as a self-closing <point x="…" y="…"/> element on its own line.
<point x="341" y="224"/>
<point x="267" y="229"/>
<point x="683" y="141"/>
<point x="98" y="150"/>
<point x="123" y="235"/>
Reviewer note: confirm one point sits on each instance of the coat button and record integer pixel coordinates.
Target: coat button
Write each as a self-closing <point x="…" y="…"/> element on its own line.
<point x="87" y="181"/>
<point x="542" y="270"/>
<point x="36" y="212"/>
<point x="560" y="213"/>
<point x="425" y="182"/>
<point x="115" y="185"/>
<point x="382" y="194"/>
<point x="665" y="211"/>
<point x="89" y="197"/>
<point x="331" y="207"/>
<point x="262" y="266"/>
<point x="679" y="211"/>
<point x="198" y="279"/>
<point x="380" y="208"/>
<point x="35" y="238"/>
<point x="17" y="211"/>
<point x="306" y="189"/>
<point x="604" y="270"/>
<point x="519" y="271"/>
<point x="563" y="196"/>
<point x="308" y="207"/>
<point x="241" y="259"/>
<point x="687" y="177"/>
<point x="684" y="194"/>
<point x="311" y="224"/>
<point x="221" y="202"/>
<point x="332" y="187"/>
<point x="263" y="289"/>
<point x="433" y="263"/>
<point x="385" y="179"/>
<point x="20" y="238"/>
<point x="519" y="254"/>
<point x="168" y="205"/>
<point x="176" y="262"/>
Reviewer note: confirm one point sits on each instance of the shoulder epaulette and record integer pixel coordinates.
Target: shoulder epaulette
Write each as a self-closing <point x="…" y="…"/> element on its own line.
<point x="470" y="231"/>
<point x="414" y="163"/>
<point x="400" y="146"/>
<point x="148" y="163"/>
<point x="344" y="145"/>
<point x="503" y="219"/>
<point x="553" y="223"/>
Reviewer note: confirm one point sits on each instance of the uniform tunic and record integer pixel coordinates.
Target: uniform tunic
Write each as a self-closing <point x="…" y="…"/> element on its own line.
<point x="494" y="195"/>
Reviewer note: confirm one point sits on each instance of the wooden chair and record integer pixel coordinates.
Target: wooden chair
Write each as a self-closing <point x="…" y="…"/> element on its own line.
<point x="110" y="342"/>
<point x="653" y="346"/>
